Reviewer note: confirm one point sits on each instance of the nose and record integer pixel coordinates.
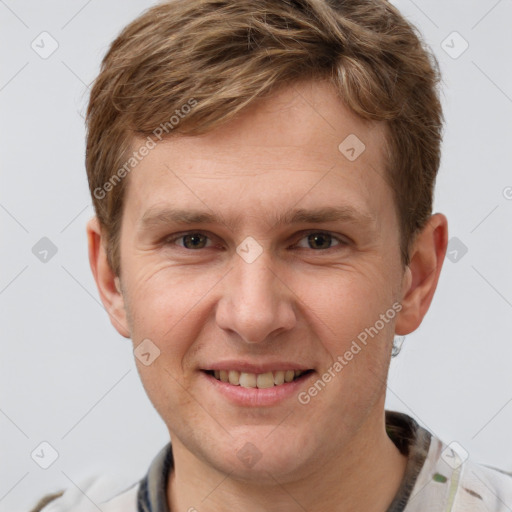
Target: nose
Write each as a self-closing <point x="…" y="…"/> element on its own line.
<point x="256" y="304"/>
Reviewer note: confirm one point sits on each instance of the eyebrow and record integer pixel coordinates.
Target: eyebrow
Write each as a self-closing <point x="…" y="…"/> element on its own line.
<point x="155" y="217"/>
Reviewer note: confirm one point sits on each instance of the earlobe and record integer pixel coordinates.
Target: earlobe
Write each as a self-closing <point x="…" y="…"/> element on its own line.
<point x="108" y="283"/>
<point x="422" y="274"/>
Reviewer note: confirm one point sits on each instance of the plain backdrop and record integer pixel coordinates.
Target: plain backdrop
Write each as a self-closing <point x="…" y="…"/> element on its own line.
<point x="67" y="377"/>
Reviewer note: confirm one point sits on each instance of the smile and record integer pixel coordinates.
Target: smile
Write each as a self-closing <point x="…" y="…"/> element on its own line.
<point x="257" y="380"/>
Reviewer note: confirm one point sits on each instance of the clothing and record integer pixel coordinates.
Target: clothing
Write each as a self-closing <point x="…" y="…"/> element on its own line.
<point x="436" y="479"/>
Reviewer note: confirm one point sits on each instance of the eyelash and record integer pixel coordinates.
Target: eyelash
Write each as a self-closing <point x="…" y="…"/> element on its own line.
<point x="341" y="242"/>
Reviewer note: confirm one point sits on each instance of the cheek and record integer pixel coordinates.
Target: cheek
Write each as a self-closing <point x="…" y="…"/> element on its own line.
<point x="346" y="301"/>
<point x="167" y="305"/>
<point x="164" y="386"/>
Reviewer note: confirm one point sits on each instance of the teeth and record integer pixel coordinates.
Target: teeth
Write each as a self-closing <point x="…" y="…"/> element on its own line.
<point x="289" y="375"/>
<point x="278" y="377"/>
<point x="234" y="377"/>
<point x="260" y="380"/>
<point x="265" y="380"/>
<point x="248" y="380"/>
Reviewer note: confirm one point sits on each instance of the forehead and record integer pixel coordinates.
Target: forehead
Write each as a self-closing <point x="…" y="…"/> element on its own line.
<point x="300" y="147"/>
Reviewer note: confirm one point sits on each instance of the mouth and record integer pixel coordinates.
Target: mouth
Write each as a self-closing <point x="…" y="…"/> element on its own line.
<point x="265" y="380"/>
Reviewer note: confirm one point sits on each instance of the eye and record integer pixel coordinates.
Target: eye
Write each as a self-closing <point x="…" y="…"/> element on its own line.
<point x="192" y="240"/>
<point x="320" y="240"/>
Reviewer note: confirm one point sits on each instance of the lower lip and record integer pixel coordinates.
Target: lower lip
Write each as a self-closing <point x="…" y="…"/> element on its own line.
<point x="254" y="397"/>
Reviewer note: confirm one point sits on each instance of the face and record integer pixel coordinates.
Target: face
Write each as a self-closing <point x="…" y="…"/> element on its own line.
<point x="256" y="249"/>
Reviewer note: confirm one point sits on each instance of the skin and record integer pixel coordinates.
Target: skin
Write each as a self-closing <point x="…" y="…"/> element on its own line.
<point x="297" y="302"/>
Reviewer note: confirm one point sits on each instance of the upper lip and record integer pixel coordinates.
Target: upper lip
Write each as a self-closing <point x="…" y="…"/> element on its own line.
<point x="249" y="367"/>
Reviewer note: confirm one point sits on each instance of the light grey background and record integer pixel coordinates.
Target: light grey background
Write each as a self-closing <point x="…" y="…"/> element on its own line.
<point x="69" y="379"/>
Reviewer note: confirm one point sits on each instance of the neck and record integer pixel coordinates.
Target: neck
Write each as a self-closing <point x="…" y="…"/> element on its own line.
<point x="364" y="475"/>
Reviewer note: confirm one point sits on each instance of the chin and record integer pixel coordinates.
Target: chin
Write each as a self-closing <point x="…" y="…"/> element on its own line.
<point x="266" y="455"/>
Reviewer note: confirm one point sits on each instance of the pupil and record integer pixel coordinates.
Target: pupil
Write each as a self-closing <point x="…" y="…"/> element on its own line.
<point x="319" y="237"/>
<point x="195" y="239"/>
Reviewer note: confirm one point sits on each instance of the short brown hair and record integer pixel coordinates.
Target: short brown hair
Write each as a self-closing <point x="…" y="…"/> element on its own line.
<point x="225" y="54"/>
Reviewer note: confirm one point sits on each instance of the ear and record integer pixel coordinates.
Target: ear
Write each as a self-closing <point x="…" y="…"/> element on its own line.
<point x="422" y="274"/>
<point x="107" y="282"/>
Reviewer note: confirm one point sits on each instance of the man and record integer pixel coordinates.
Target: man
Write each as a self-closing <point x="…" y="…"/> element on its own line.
<point x="262" y="173"/>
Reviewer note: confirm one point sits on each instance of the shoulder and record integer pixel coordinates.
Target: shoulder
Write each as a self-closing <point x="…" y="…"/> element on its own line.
<point x="449" y="481"/>
<point x="112" y="494"/>
<point x="483" y="488"/>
